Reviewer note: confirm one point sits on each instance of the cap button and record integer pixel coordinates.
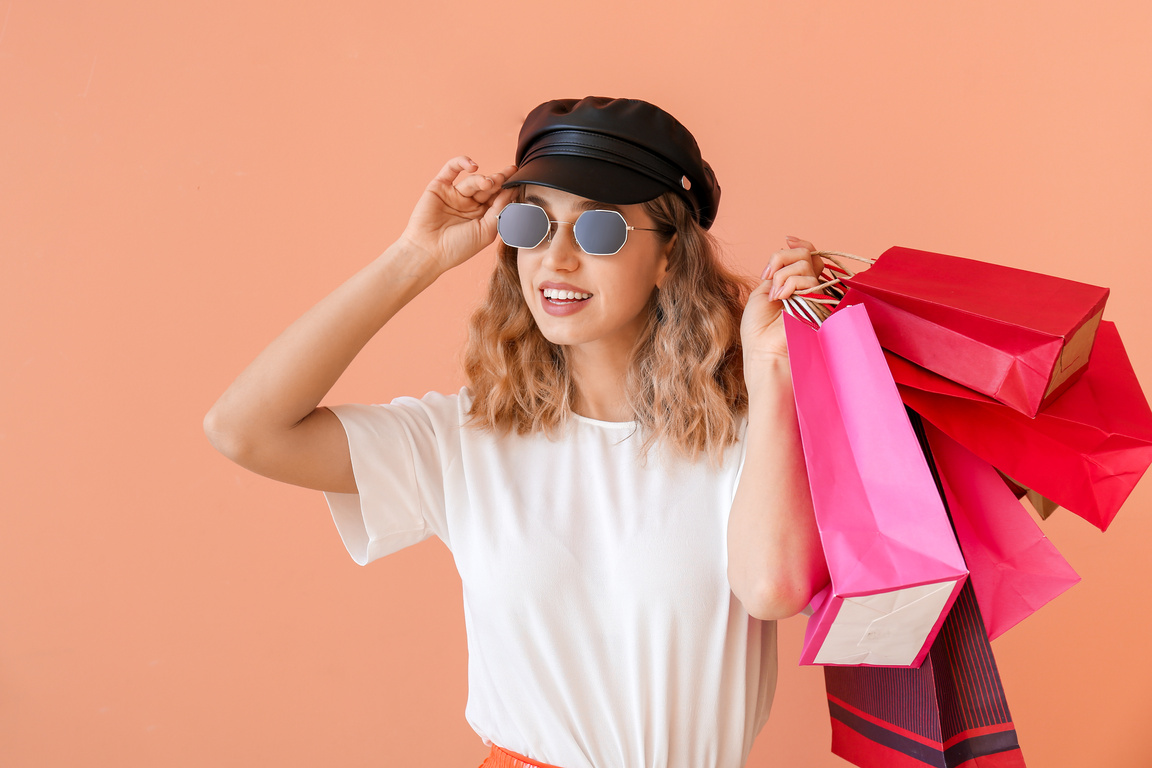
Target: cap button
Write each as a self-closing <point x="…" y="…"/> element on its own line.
<point x="685" y="183"/>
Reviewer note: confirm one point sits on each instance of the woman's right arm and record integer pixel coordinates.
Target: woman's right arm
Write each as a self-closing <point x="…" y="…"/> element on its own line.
<point x="269" y="419"/>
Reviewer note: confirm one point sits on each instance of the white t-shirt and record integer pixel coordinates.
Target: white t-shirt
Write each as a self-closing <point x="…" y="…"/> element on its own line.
<point x="602" y="632"/>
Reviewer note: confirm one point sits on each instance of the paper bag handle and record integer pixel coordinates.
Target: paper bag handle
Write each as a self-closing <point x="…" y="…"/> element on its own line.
<point x="814" y="305"/>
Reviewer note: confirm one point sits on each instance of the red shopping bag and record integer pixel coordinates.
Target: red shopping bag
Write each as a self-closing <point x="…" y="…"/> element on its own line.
<point x="1013" y="567"/>
<point x="1085" y="452"/>
<point x="1019" y="337"/>
<point x="949" y="713"/>
<point x="894" y="563"/>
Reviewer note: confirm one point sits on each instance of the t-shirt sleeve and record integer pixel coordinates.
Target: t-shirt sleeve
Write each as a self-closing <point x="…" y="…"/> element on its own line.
<point x="397" y="459"/>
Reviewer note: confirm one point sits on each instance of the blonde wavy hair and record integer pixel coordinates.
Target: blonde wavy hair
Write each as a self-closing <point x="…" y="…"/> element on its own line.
<point x="686" y="381"/>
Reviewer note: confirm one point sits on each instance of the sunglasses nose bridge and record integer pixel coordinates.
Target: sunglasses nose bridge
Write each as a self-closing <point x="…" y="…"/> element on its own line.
<point x="554" y="231"/>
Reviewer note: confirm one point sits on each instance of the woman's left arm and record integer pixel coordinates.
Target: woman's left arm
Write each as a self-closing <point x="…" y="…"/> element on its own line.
<point x="775" y="561"/>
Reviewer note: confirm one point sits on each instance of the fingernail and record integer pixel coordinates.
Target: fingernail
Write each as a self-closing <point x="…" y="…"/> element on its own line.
<point x="774" y="294"/>
<point x="764" y="274"/>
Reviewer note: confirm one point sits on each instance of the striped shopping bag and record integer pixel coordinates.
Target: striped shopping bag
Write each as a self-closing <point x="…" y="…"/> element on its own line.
<point x="949" y="713"/>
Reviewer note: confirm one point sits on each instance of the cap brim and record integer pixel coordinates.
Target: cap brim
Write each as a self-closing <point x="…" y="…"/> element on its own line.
<point x="589" y="178"/>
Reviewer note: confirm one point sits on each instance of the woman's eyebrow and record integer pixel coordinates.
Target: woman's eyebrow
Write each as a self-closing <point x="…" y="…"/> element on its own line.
<point x="593" y="205"/>
<point x="583" y="205"/>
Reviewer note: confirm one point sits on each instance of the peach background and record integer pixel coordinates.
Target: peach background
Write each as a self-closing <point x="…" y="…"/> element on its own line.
<point x="180" y="180"/>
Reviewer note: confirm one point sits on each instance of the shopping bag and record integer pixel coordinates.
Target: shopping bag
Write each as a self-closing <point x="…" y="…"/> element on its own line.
<point x="894" y="563"/>
<point x="951" y="712"/>
<point x="1085" y="452"/>
<point x="1019" y="337"/>
<point x="1013" y="567"/>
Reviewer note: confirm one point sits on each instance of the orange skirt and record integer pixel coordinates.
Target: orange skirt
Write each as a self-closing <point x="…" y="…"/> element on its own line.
<point x="502" y="758"/>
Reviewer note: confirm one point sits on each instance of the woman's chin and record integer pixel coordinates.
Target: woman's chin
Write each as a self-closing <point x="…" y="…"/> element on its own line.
<point x="558" y="330"/>
<point x="560" y="336"/>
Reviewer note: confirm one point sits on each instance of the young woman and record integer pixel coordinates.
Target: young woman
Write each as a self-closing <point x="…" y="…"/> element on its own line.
<point x="621" y="484"/>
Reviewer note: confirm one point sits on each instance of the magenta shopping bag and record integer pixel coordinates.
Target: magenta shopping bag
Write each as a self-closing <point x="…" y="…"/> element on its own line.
<point x="1014" y="568"/>
<point x="894" y="563"/>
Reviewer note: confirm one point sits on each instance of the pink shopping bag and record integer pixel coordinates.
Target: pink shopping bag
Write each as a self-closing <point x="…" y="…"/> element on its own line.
<point x="894" y="563"/>
<point x="1013" y="567"/>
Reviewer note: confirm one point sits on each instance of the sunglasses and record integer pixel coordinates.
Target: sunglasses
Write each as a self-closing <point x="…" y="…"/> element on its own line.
<point x="598" y="233"/>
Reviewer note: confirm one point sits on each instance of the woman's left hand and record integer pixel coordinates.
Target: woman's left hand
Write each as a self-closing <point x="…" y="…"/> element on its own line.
<point x="790" y="269"/>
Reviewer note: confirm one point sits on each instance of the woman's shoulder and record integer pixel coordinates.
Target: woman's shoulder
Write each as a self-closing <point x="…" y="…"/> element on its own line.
<point x="435" y="409"/>
<point x="438" y="406"/>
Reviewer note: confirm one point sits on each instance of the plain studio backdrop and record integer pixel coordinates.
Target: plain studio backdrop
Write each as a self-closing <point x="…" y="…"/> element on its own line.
<point x="179" y="181"/>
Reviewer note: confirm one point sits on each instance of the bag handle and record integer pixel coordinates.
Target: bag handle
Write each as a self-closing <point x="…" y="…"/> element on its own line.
<point x="814" y="305"/>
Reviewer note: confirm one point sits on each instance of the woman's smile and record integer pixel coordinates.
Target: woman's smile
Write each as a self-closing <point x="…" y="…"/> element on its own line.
<point x="559" y="299"/>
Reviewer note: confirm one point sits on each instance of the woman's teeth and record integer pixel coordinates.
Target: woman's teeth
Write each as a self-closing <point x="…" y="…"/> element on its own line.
<point x="558" y="295"/>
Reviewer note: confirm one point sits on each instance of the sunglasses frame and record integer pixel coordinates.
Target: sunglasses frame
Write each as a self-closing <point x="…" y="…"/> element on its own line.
<point x="548" y="235"/>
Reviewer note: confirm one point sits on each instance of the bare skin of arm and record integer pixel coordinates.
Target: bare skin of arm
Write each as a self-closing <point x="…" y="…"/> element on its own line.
<point x="775" y="560"/>
<point x="269" y="420"/>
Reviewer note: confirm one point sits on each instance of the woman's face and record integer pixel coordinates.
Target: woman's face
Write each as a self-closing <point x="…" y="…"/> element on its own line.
<point x="610" y="306"/>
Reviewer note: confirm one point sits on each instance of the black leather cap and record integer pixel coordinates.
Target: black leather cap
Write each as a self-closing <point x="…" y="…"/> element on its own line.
<point x="619" y="151"/>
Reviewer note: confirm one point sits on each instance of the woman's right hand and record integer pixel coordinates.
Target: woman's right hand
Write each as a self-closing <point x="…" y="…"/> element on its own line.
<point x="268" y="420"/>
<point x="456" y="215"/>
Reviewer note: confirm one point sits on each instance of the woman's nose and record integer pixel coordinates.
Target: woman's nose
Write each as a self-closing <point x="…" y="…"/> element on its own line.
<point x="563" y="253"/>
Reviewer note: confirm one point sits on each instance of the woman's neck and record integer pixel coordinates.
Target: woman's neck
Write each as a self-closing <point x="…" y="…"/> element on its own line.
<point x="600" y="376"/>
